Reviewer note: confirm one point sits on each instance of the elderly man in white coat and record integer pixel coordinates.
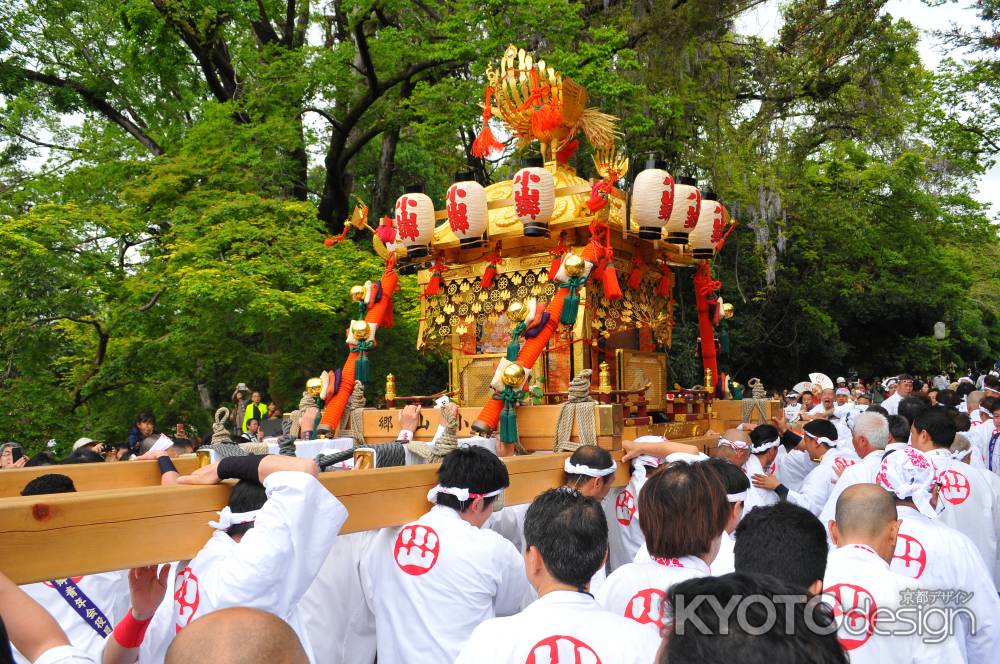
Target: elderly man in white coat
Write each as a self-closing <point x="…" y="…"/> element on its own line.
<point x="432" y="581"/>
<point x="866" y="593"/>
<point x="268" y="545"/>
<point x="566" y="536"/>
<point x="971" y="496"/>
<point x="940" y="557"/>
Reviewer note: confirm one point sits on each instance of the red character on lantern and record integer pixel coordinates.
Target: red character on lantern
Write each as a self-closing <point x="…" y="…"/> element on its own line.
<point x="458" y="213"/>
<point x="667" y="198"/>
<point x="526" y="199"/>
<point x="406" y="221"/>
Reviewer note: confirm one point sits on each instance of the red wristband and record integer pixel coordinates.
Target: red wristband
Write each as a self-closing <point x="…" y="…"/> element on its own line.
<point x="129" y="632"/>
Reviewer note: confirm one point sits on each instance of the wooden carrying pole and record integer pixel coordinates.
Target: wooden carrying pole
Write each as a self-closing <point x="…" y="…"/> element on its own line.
<point x="61" y="535"/>
<point x="93" y="476"/>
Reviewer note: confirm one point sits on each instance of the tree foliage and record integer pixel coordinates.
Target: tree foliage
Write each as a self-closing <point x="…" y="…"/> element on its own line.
<point x="168" y="169"/>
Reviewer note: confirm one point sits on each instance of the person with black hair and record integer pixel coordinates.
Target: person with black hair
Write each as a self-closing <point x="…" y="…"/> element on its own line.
<point x="683" y="513"/>
<point x="430" y="582"/>
<point x="912" y="406"/>
<point x="940" y="556"/>
<point x="83" y="455"/>
<point x="41" y="459"/>
<point x="567" y="542"/>
<point x="785" y="541"/>
<point x="269" y="543"/>
<point x="971" y="496"/>
<point x="791" y="464"/>
<point x="88" y="607"/>
<point x="765" y="443"/>
<point x="903" y="387"/>
<point x="819" y="440"/>
<point x="145" y="424"/>
<point x="770" y="630"/>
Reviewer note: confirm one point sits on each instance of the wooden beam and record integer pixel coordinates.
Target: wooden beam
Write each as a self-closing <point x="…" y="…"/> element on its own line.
<point x="46" y="537"/>
<point x="93" y="476"/>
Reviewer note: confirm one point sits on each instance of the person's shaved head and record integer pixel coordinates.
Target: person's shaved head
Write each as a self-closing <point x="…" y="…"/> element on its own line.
<point x="729" y="453"/>
<point x="237" y="636"/>
<point x="866" y="514"/>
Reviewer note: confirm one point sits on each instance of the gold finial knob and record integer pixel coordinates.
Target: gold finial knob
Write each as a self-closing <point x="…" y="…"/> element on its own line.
<point x="574" y="265"/>
<point x="604" y="379"/>
<point x="517" y="312"/>
<point x="357" y="292"/>
<point x="390" y="387"/>
<point x="709" y="383"/>
<point x="513" y="375"/>
<point x="313" y="386"/>
<point x="360" y="329"/>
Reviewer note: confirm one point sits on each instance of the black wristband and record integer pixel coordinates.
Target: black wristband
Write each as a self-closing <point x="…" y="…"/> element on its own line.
<point x="240" y="468"/>
<point x="782" y="491"/>
<point x="166" y="465"/>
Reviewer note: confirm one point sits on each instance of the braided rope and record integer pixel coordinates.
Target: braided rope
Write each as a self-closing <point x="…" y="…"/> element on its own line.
<point x="386" y="455"/>
<point x="219" y="433"/>
<point x="579" y="408"/>
<point x="447" y="443"/>
<point x="352" y="421"/>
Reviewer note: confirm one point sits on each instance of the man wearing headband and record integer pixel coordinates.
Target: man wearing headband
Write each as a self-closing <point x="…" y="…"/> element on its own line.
<point x="819" y="440"/>
<point x="792" y="406"/>
<point x="763" y="449"/>
<point x="985" y="436"/>
<point x="902" y="387"/>
<point x="860" y="586"/>
<point x="432" y="581"/>
<point x="971" y="496"/>
<point x="269" y="543"/>
<point x="646" y="454"/>
<point x="567" y="543"/>
<point x="939" y="556"/>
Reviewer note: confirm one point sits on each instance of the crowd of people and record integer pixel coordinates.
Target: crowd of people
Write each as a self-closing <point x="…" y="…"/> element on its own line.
<point x="851" y="531"/>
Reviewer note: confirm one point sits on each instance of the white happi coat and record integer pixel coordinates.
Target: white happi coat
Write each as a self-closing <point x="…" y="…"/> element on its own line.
<point x="432" y="581"/>
<point x="792" y="467"/>
<point x="792" y="412"/>
<point x="509" y="523"/>
<point x="340" y="626"/>
<point x="106" y="592"/>
<point x="725" y="560"/>
<point x="819" y="482"/>
<point x="891" y="403"/>
<point x="621" y="508"/>
<point x="273" y="564"/>
<point x="562" y="627"/>
<point x="862" y="472"/>
<point x="979" y="437"/>
<point x="756" y="497"/>
<point x="636" y="590"/>
<point x="865" y="595"/>
<point x="971" y="504"/>
<point x="941" y="558"/>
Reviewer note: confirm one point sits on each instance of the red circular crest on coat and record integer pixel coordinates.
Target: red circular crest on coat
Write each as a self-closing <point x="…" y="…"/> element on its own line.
<point x="625" y="507"/>
<point x="560" y="649"/>
<point x="911" y="555"/>
<point x="646" y="606"/>
<point x="187" y="596"/>
<point x="51" y="584"/>
<point x="417" y="549"/>
<point x="854" y="609"/>
<point x="842" y="463"/>
<point x="955" y="487"/>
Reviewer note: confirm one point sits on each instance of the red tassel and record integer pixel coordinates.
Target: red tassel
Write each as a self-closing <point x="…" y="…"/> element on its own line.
<point x="545" y="119"/>
<point x="486" y="143"/>
<point x="434" y="285"/>
<point x="609" y="281"/>
<point x="663" y="286"/>
<point x="557" y="256"/>
<point x="635" y="275"/>
<point x="489" y="274"/>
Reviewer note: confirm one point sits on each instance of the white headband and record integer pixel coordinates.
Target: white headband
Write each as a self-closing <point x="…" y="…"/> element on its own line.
<point x="684" y="457"/>
<point x="229" y="518"/>
<point x="573" y="469"/>
<point x="990" y="389"/>
<point x="735" y="444"/>
<point x="821" y="439"/>
<point x="958" y="455"/>
<point x="736" y="497"/>
<point x="765" y="446"/>
<point x="462" y="494"/>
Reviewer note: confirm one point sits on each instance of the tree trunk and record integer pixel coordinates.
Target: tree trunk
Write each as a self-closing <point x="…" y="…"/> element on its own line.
<point x="386" y="169"/>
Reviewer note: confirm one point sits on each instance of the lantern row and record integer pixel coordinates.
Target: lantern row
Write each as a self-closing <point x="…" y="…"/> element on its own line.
<point x="663" y="208"/>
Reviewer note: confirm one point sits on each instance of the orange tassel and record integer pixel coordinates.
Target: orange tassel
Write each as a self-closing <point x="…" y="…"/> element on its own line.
<point x="567" y="151"/>
<point x="434" y="285"/>
<point x="663" y="286"/>
<point x="609" y="282"/>
<point x="486" y="143"/>
<point x="545" y="119"/>
<point x="635" y="275"/>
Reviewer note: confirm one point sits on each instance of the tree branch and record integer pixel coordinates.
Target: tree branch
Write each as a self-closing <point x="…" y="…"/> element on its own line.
<point x="99" y="104"/>
<point x="152" y="302"/>
<point x="365" y="54"/>
<point x="356" y="145"/>
<point x="262" y="26"/>
<point x="37" y="142"/>
<point x="332" y="120"/>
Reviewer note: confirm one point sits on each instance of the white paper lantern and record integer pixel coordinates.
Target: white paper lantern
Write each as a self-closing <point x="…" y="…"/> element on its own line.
<point x="652" y="199"/>
<point x="684" y="214"/>
<point x="415" y="221"/>
<point x="708" y="231"/>
<point x="534" y="196"/>
<point x="467" y="211"/>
